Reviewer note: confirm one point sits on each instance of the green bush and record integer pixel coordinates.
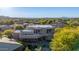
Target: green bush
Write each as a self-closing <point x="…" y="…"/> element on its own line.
<point x="8" y="33"/>
<point x="65" y="39"/>
<point x="19" y="27"/>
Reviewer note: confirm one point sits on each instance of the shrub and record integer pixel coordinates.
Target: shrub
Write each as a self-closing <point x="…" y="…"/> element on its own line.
<point x="8" y="33"/>
<point x="65" y="39"/>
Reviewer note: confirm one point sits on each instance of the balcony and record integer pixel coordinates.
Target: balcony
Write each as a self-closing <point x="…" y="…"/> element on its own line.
<point x="34" y="36"/>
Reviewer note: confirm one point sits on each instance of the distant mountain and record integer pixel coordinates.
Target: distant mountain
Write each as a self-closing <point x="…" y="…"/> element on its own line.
<point x="7" y="17"/>
<point x="22" y="18"/>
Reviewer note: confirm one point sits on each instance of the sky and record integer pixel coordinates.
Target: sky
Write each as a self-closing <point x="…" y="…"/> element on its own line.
<point x="39" y="11"/>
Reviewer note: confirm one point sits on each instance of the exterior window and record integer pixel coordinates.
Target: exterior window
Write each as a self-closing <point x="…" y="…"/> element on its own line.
<point x="0" y="29"/>
<point x="37" y="31"/>
<point x="25" y="33"/>
<point x="48" y="30"/>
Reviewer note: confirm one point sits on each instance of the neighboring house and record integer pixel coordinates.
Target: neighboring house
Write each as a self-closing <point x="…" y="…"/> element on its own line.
<point x="25" y="24"/>
<point x="36" y="23"/>
<point x="5" y="27"/>
<point x="59" y="24"/>
<point x="35" y="34"/>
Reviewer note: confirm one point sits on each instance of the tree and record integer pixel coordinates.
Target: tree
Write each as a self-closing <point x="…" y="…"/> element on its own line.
<point x="27" y="49"/>
<point x="43" y="21"/>
<point x="8" y="33"/>
<point x="7" y="21"/>
<point x="66" y="39"/>
<point x="38" y="48"/>
<point x="1" y="35"/>
<point x="19" y="27"/>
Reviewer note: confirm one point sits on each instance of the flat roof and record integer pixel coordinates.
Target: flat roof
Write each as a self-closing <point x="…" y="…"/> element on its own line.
<point x="24" y="31"/>
<point x="41" y="26"/>
<point x="17" y="31"/>
<point x="7" y="45"/>
<point x="27" y="30"/>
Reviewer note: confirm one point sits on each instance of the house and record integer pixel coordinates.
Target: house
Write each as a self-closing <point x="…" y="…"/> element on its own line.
<point x="5" y="27"/>
<point x="33" y="31"/>
<point x="59" y="24"/>
<point x="25" y="24"/>
<point x="35" y="35"/>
